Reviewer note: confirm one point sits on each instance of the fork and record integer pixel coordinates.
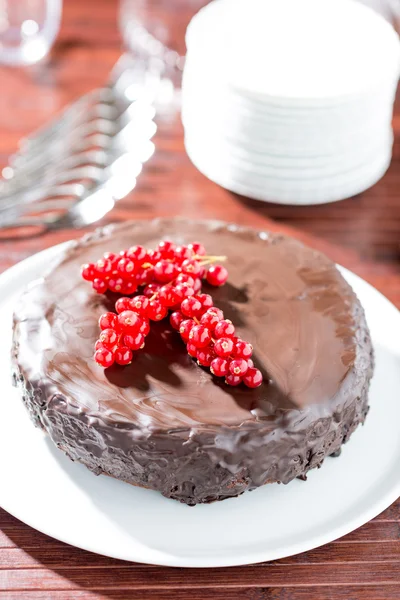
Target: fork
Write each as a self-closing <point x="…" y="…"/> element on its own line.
<point x="88" y="156"/>
<point x="101" y="102"/>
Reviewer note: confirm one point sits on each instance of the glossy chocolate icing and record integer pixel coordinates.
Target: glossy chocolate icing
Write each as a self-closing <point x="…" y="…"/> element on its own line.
<point x="164" y="422"/>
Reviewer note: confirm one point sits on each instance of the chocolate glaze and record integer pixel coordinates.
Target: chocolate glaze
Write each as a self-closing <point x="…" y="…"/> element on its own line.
<point x="164" y="422"/>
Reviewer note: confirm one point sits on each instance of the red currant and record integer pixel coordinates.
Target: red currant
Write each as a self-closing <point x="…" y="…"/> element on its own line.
<point x="253" y="378"/>
<point x="184" y="290"/>
<point x="139" y="277"/>
<point x="197" y="285"/>
<point x="151" y="289"/>
<point x="250" y="363"/>
<point x="223" y="347"/>
<point x="212" y="317"/>
<point x="98" y="345"/>
<point x="206" y="301"/>
<point x="99" y="285"/>
<point x="128" y="288"/>
<point x="243" y="349"/>
<point x="185" y="279"/>
<point x="145" y="276"/>
<point x="135" y="341"/>
<point x="191" y="349"/>
<point x="217" y="275"/>
<point x="139" y="304"/>
<point x="233" y="379"/>
<point x="111" y="256"/>
<point x="116" y="284"/>
<point x="182" y="253"/>
<point x="219" y="367"/>
<point x="165" y="271"/>
<point x="176" y="319"/>
<point x="123" y="355"/>
<point x="108" y="337"/>
<point x="104" y="357"/>
<point x="238" y="366"/>
<point x="166" y="248"/>
<point x="123" y="304"/>
<point x="191" y="307"/>
<point x="154" y="256"/>
<point x="191" y="267"/>
<point x="104" y="267"/>
<point x="200" y="336"/>
<point x="129" y="321"/>
<point x="126" y="267"/>
<point x="197" y="248"/>
<point x="205" y="356"/>
<point x="224" y="328"/>
<point x="88" y="272"/>
<point x="145" y="327"/>
<point x="185" y="329"/>
<point x="108" y="320"/>
<point x="137" y="254"/>
<point x="169" y="296"/>
<point x="156" y="311"/>
<point x="180" y="293"/>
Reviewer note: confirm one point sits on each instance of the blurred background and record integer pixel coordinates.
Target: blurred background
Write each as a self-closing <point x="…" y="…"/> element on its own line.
<point x="52" y="53"/>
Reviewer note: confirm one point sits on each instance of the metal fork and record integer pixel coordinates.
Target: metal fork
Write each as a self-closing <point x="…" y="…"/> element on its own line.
<point x="86" y="158"/>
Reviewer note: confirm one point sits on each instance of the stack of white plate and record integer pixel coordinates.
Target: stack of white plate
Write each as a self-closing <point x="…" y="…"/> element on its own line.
<point x="290" y="100"/>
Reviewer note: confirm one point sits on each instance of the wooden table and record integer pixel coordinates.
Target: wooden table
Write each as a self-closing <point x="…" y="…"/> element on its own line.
<point x="361" y="233"/>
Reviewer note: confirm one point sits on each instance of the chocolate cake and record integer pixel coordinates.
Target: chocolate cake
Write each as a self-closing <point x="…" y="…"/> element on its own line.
<point x="166" y="423"/>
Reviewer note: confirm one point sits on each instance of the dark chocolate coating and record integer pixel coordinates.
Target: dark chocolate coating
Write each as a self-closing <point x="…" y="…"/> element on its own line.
<point x="164" y="422"/>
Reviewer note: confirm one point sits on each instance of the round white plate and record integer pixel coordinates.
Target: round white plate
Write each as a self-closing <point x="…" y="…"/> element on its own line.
<point x="43" y="488"/>
<point x="209" y="92"/>
<point x="288" y="191"/>
<point x="222" y="152"/>
<point x="251" y="43"/>
<point x="338" y="136"/>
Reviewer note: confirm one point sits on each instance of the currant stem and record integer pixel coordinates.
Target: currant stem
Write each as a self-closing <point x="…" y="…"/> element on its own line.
<point x="210" y="260"/>
<point x="209" y="257"/>
<point x="154" y="296"/>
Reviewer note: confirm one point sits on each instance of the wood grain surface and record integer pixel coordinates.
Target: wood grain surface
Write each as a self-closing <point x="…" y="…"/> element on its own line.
<point x="362" y="233"/>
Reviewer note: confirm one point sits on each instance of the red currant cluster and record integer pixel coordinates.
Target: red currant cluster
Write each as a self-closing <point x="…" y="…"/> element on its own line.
<point x="122" y="333"/>
<point x="212" y="341"/>
<point x="125" y="272"/>
<point x="171" y="278"/>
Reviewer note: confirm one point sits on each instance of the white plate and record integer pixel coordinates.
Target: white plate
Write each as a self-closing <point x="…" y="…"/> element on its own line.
<point x="261" y="52"/>
<point x="283" y="165"/>
<point x="41" y="487"/>
<point x="210" y="90"/>
<point x="221" y="151"/>
<point x="222" y="122"/>
<point x="288" y="191"/>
